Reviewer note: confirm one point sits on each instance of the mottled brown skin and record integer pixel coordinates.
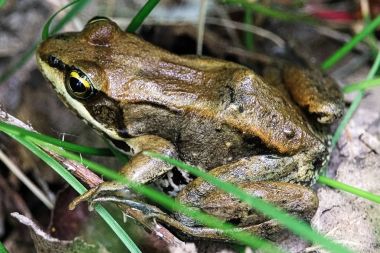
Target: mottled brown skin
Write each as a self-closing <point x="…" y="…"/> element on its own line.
<point x="215" y="114"/>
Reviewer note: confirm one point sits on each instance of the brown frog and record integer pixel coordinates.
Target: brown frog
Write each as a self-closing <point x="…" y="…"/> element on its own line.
<point x="266" y="136"/>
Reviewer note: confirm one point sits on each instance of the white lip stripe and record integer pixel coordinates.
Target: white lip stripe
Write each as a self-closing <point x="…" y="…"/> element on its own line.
<point x="60" y="88"/>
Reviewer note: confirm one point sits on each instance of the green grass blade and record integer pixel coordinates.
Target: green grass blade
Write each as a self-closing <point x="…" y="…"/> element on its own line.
<point x="348" y="188"/>
<point x="117" y="229"/>
<point x="79" y="4"/>
<point x="248" y="19"/>
<point x="79" y="188"/>
<point x="64" y="144"/>
<point x="2" y="247"/>
<point x="141" y="15"/>
<point x="361" y="85"/>
<point x="293" y="224"/>
<point x="244" y="237"/>
<point x="270" y="12"/>
<point x="2" y="3"/>
<point x="70" y="15"/>
<point x="59" y="169"/>
<point x="162" y="199"/>
<point x="346" y="118"/>
<point x="174" y="205"/>
<point x="332" y="60"/>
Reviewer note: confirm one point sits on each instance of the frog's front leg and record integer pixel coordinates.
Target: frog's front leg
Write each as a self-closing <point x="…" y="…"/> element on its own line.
<point x="141" y="168"/>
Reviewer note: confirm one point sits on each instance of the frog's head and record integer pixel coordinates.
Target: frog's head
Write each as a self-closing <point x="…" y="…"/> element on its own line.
<point x="81" y="66"/>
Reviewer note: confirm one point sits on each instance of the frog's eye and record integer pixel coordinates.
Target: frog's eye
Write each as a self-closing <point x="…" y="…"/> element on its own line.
<point x="79" y="85"/>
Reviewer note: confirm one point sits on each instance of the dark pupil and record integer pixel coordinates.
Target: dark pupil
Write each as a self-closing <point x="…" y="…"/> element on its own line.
<point x="76" y="85"/>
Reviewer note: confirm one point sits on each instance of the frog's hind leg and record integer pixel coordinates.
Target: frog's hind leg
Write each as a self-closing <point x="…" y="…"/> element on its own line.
<point x="292" y="198"/>
<point x="265" y="229"/>
<point x="314" y="91"/>
<point x="259" y="176"/>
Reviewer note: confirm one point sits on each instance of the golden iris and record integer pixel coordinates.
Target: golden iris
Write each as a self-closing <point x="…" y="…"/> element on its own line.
<point x="79" y="85"/>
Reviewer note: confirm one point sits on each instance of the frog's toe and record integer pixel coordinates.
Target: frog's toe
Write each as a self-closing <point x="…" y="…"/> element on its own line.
<point x="149" y="211"/>
<point x="104" y="189"/>
<point x="87" y="196"/>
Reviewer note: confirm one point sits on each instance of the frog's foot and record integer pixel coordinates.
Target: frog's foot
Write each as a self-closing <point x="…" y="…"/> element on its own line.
<point x="149" y="211"/>
<point x="104" y="189"/>
<point x="267" y="229"/>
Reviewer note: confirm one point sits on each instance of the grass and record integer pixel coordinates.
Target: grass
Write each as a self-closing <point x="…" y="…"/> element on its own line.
<point x="2" y="3"/>
<point x="2" y="247"/>
<point x="31" y="140"/>
<point x="338" y="55"/>
<point x="348" y="188"/>
<point x="273" y="13"/>
<point x="141" y="15"/>
<point x="295" y="225"/>
<point x="290" y="222"/>
<point x="248" y="19"/>
<point x="355" y="103"/>
<point x="64" y="144"/>
<point x="77" y="186"/>
<point x="78" y="6"/>
<point x="364" y="85"/>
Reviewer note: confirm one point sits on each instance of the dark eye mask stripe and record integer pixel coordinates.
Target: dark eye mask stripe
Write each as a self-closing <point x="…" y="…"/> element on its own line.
<point x="54" y="62"/>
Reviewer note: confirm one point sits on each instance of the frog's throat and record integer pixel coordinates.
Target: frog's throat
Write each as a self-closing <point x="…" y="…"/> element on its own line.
<point x="56" y="78"/>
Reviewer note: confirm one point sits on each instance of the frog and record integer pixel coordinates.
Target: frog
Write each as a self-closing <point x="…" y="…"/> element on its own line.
<point x="267" y="134"/>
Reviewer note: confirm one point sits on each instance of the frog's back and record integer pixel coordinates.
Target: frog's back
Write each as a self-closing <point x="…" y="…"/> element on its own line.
<point x="221" y="94"/>
<point x="215" y="106"/>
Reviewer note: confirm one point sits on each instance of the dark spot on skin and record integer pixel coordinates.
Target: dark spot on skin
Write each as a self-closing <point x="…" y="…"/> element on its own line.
<point x="317" y="163"/>
<point x="272" y="157"/>
<point x="231" y="94"/>
<point x="289" y="132"/>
